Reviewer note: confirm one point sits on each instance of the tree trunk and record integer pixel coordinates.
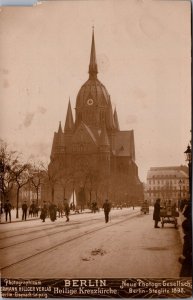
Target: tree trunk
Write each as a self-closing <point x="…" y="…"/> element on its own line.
<point x="17" y="205"/>
<point x="90" y="192"/>
<point x="52" y="194"/>
<point x="73" y="196"/>
<point x="37" y="194"/>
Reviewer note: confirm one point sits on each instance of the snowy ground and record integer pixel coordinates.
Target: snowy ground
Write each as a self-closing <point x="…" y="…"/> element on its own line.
<point x="128" y="246"/>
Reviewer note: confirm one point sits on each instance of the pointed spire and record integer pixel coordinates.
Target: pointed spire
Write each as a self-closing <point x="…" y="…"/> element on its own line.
<point x="110" y="119"/>
<point x="104" y="140"/>
<point x="60" y="128"/>
<point x="93" y="70"/>
<point x="116" y="120"/>
<point x="69" y="124"/>
<point x="54" y="145"/>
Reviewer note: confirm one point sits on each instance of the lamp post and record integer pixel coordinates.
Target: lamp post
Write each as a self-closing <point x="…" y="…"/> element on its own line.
<point x="188" y="154"/>
<point x="186" y="258"/>
<point x="1" y="183"/>
<point x="180" y="196"/>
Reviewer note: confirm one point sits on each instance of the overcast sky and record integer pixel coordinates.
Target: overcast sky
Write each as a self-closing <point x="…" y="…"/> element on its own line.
<point x="143" y="55"/>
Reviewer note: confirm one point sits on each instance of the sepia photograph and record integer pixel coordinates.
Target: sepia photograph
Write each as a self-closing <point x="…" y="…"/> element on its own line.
<point x="96" y="149"/>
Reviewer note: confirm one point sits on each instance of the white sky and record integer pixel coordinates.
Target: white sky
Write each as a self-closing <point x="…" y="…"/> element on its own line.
<point x="143" y="55"/>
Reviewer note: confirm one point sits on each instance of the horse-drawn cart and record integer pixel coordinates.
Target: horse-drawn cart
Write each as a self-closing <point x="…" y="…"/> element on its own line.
<point x="168" y="214"/>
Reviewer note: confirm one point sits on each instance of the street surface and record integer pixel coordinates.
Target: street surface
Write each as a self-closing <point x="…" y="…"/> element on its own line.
<point x="128" y="246"/>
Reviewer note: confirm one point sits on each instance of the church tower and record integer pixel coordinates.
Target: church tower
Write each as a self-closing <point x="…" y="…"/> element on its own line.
<point x="93" y="104"/>
<point x="91" y="156"/>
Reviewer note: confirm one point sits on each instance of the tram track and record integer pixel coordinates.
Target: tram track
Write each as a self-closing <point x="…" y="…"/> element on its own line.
<point x="24" y="228"/>
<point x="39" y="237"/>
<point x="40" y="229"/>
<point x="46" y="229"/>
<point x="64" y="230"/>
<point x="69" y="240"/>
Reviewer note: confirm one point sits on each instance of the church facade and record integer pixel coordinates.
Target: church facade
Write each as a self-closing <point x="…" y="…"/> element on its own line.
<point x="91" y="157"/>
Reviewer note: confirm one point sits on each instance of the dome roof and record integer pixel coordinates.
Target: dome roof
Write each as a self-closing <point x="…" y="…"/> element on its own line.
<point x="92" y="89"/>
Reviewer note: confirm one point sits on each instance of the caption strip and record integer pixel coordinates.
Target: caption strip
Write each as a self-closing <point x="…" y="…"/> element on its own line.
<point x="100" y="288"/>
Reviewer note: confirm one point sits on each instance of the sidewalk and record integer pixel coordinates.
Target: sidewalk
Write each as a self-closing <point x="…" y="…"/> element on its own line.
<point x="29" y="218"/>
<point x="14" y="219"/>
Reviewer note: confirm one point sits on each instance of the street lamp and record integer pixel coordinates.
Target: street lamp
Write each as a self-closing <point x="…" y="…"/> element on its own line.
<point x="186" y="258"/>
<point x="1" y="182"/>
<point x="188" y="155"/>
<point x="180" y="199"/>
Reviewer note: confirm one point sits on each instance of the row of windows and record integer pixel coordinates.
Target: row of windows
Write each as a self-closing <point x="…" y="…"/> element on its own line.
<point x="163" y="176"/>
<point x="165" y="188"/>
<point x="152" y="182"/>
<point x="168" y="195"/>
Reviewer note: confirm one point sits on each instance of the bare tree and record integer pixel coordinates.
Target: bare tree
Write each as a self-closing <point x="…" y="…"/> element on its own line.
<point x="36" y="177"/>
<point x="8" y="161"/>
<point x="51" y="176"/>
<point x="65" y="178"/>
<point x="20" y="174"/>
<point x="91" y="182"/>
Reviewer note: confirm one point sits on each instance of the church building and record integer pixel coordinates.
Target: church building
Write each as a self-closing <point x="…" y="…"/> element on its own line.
<point x="91" y="158"/>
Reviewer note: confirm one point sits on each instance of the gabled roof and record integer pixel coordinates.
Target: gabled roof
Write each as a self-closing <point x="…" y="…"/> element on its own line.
<point x="87" y="130"/>
<point x="124" y="144"/>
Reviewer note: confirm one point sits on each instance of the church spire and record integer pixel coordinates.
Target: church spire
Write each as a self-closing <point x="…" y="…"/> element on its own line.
<point x="93" y="70"/>
<point x="69" y="124"/>
<point x="60" y="128"/>
<point x="116" y="120"/>
<point x="104" y="140"/>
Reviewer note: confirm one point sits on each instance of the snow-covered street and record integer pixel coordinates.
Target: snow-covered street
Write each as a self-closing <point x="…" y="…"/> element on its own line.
<point x="127" y="246"/>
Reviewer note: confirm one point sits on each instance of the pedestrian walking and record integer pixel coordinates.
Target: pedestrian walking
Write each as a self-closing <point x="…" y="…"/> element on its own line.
<point x="156" y="213"/>
<point x="32" y="210"/>
<point x="52" y="210"/>
<point x="7" y="210"/>
<point x="24" y="211"/>
<point x="66" y="210"/>
<point x="107" y="208"/>
<point x="43" y="214"/>
<point x="60" y="210"/>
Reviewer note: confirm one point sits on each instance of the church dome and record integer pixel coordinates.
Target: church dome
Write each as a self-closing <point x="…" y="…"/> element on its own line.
<point x="92" y="90"/>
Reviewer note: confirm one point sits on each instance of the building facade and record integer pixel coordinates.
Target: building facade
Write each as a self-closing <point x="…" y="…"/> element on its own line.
<point x="167" y="183"/>
<point x="91" y="155"/>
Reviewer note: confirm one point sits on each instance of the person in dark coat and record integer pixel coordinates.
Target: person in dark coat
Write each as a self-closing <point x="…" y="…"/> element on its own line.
<point x="186" y="258"/>
<point x="7" y="210"/>
<point x="32" y="209"/>
<point x="43" y="214"/>
<point x="52" y="210"/>
<point x="66" y="210"/>
<point x="24" y="211"/>
<point x="156" y="213"/>
<point x="107" y="208"/>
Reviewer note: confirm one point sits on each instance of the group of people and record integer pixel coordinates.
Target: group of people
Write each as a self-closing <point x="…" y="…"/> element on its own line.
<point x="52" y="209"/>
<point x="33" y="210"/>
